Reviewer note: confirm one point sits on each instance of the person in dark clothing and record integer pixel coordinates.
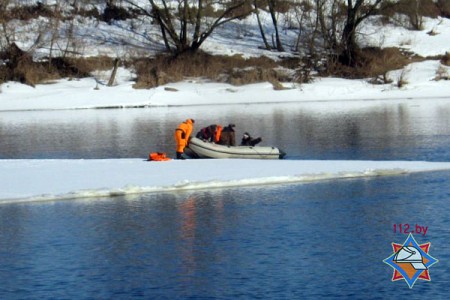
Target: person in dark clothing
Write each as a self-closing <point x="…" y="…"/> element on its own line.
<point x="207" y="133"/>
<point x="247" y="140"/>
<point x="228" y="136"/>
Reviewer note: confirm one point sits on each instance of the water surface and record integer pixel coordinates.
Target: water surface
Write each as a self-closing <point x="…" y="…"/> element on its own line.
<point x="312" y="241"/>
<point x="414" y="130"/>
<point x="317" y="240"/>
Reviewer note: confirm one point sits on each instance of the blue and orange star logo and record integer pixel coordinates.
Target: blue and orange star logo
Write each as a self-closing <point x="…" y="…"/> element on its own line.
<point x="411" y="261"/>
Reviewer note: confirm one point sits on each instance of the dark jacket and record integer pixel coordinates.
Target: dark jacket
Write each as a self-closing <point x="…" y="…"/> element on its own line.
<point x="228" y="136"/>
<point x="247" y="140"/>
<point x="207" y="133"/>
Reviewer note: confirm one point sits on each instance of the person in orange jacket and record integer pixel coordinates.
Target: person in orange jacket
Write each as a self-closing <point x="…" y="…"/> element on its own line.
<point x="210" y="134"/>
<point x="182" y="135"/>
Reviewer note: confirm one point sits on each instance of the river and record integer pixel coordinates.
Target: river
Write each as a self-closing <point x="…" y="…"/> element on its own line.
<point x="309" y="240"/>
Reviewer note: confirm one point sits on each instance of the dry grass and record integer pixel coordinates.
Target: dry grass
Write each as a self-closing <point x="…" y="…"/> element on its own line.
<point x="3" y="74"/>
<point x="232" y="69"/>
<point x="372" y="63"/>
<point x="21" y="67"/>
<point x="442" y="73"/>
<point x="80" y="67"/>
<point x="27" y="12"/>
<point x="236" y="70"/>
<point x="401" y="82"/>
<point x="381" y="61"/>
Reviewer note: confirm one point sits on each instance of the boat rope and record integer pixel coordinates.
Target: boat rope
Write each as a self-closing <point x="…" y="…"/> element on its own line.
<point x="263" y="154"/>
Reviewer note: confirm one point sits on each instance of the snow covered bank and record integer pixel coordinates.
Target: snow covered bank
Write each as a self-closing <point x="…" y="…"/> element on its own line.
<point x="85" y="93"/>
<point x="40" y="180"/>
<point x="80" y="94"/>
<point x="228" y="40"/>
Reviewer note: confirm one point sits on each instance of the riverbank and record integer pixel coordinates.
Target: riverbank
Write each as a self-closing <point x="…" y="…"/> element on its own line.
<point x="87" y="93"/>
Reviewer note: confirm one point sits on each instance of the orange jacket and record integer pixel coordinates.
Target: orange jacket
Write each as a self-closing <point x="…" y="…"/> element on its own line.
<point x="218" y="133"/>
<point x="182" y="134"/>
<point x="158" y="156"/>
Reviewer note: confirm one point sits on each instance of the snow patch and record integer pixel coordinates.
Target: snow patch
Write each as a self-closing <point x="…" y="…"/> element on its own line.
<point x="50" y="180"/>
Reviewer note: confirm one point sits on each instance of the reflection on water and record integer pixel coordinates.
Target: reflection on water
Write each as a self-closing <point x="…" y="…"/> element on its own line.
<point x="416" y="131"/>
<point x="285" y="242"/>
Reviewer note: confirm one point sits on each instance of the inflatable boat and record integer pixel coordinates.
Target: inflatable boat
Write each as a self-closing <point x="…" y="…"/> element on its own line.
<point x="198" y="148"/>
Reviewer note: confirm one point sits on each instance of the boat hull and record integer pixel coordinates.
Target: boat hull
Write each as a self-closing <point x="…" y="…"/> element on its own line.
<point x="198" y="148"/>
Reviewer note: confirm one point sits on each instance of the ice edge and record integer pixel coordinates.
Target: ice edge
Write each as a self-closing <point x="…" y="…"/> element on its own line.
<point x="199" y="185"/>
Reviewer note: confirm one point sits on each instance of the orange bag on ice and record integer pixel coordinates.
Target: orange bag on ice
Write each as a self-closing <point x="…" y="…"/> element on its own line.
<point x="158" y="156"/>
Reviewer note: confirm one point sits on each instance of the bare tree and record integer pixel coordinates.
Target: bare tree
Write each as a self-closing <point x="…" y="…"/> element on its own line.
<point x="54" y="24"/>
<point x="185" y="26"/>
<point x="413" y="11"/>
<point x="357" y="12"/>
<point x="260" y="26"/>
<point x="5" y="39"/>
<point x="272" y="6"/>
<point x="339" y="20"/>
<point x="329" y="18"/>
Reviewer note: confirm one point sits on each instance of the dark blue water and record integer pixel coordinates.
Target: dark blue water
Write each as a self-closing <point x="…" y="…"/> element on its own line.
<point x="321" y="240"/>
<point x="313" y="241"/>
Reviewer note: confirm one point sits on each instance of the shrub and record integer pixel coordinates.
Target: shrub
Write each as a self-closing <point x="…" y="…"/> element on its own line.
<point x="26" y="12"/>
<point x="412" y="11"/>
<point x="251" y="75"/>
<point x="113" y="12"/>
<point x="89" y="13"/>
<point x="373" y="62"/>
<point x="3" y="74"/>
<point x="445" y="60"/>
<point x="19" y="66"/>
<point x="442" y="73"/>
<point x="236" y="70"/>
<point x="401" y="82"/>
<point x="444" y="8"/>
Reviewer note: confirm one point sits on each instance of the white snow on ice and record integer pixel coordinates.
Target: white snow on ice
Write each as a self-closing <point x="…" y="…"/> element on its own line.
<point x="41" y="180"/>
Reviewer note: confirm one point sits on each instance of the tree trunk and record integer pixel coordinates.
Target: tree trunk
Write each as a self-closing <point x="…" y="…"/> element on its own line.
<point x="275" y="25"/>
<point x="54" y="28"/>
<point x="354" y="17"/>
<point x="114" y="72"/>
<point x="350" y="46"/>
<point x="261" y="29"/>
<point x="184" y="21"/>
<point x="347" y="56"/>
<point x="6" y="35"/>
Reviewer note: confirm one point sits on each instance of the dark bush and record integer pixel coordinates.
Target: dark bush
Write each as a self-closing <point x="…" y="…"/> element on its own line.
<point x="444" y="8"/>
<point x="89" y="13"/>
<point x="445" y="60"/>
<point x="19" y="66"/>
<point x="113" y="12"/>
<point x="27" y="12"/>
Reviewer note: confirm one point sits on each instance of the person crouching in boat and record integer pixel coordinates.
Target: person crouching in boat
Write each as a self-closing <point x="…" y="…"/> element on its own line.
<point x="228" y="136"/>
<point x="210" y="134"/>
<point x="247" y="140"/>
<point x="182" y="135"/>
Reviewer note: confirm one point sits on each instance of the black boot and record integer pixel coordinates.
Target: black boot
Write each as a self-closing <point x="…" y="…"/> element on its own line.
<point x="180" y="155"/>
